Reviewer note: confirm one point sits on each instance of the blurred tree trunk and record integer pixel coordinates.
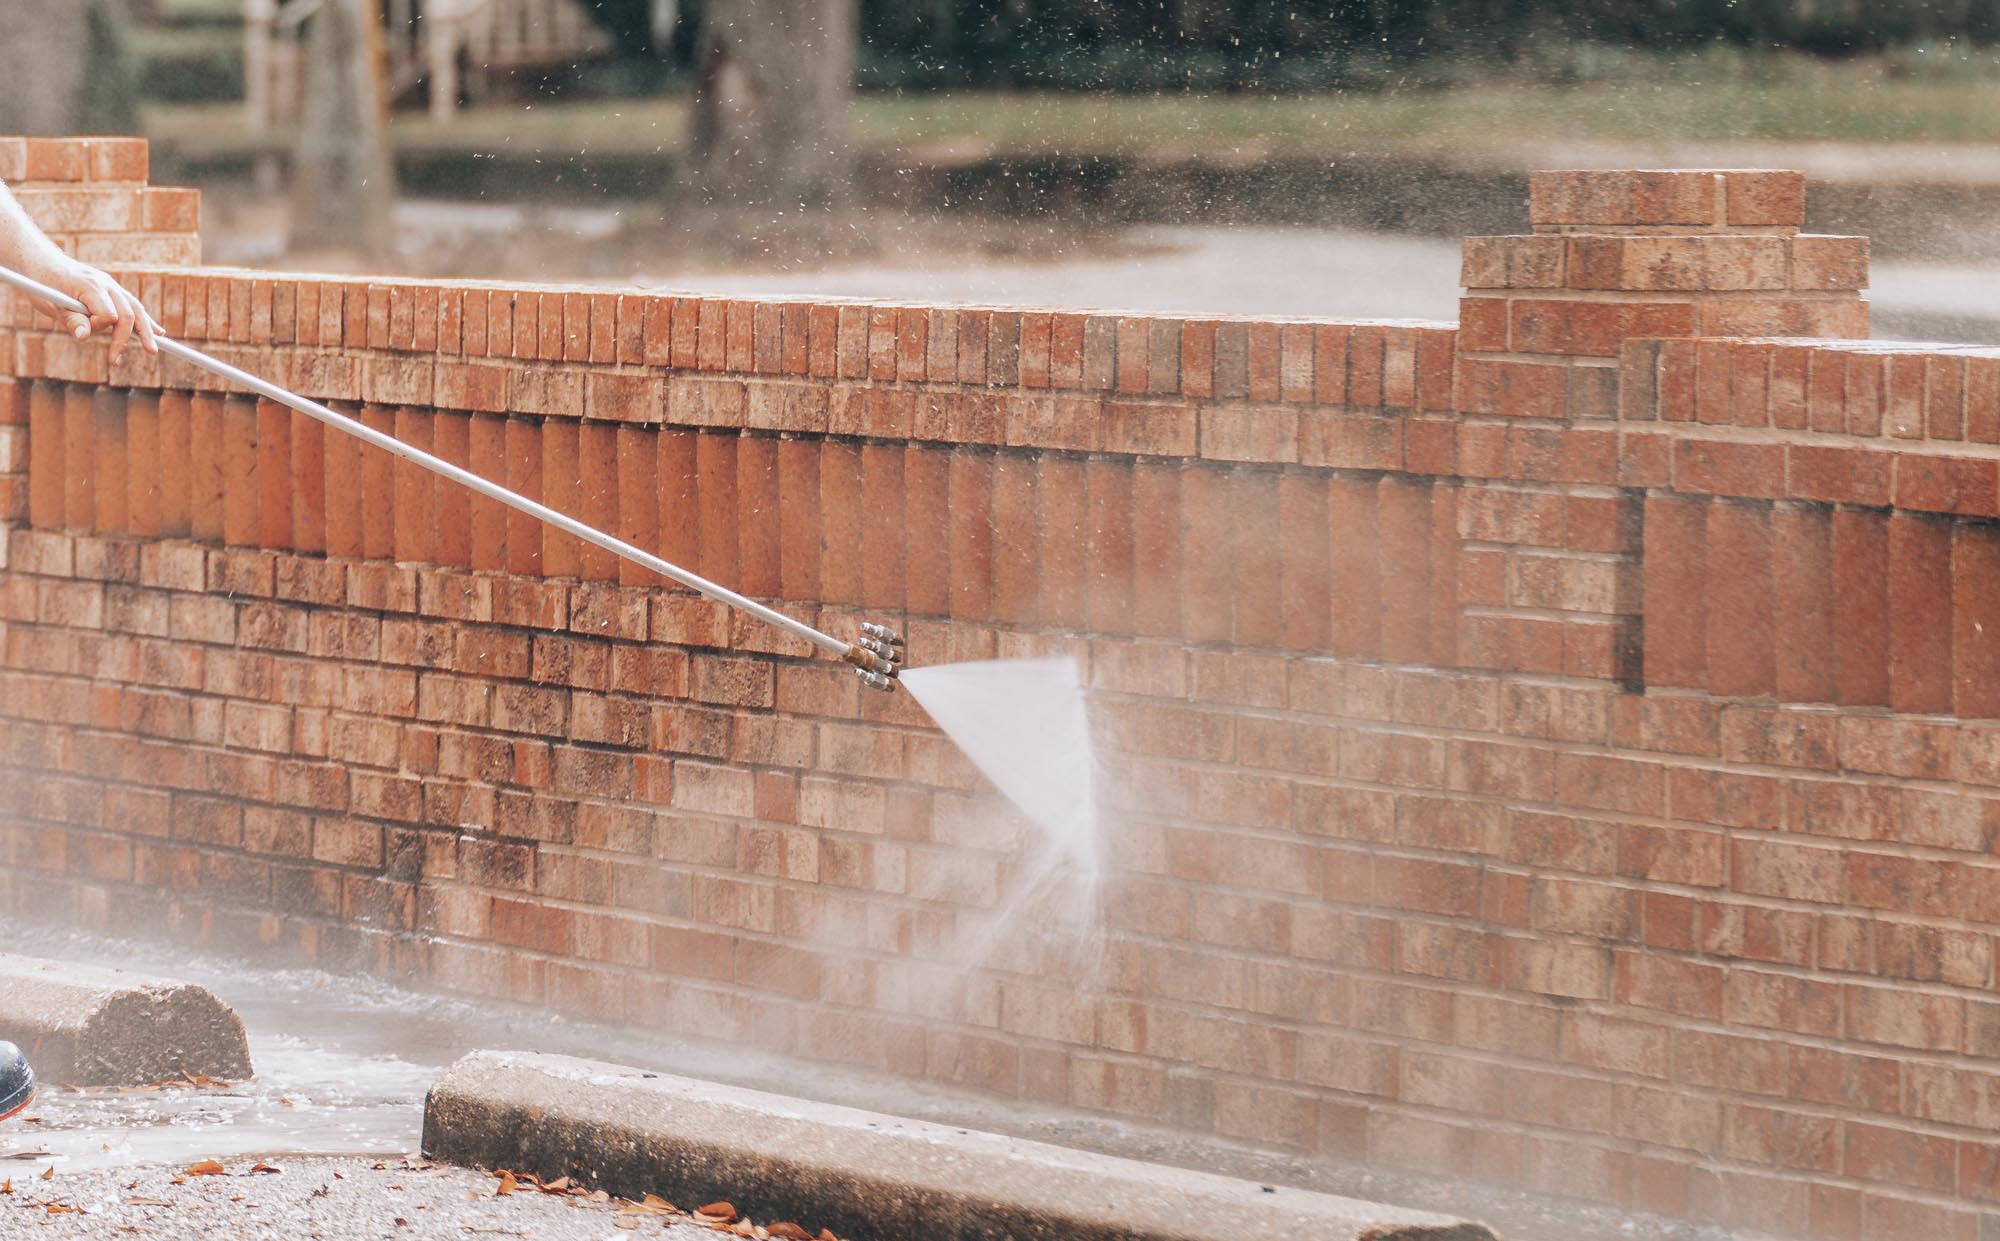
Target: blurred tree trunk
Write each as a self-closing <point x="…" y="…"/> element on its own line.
<point x="343" y="173"/>
<point x="771" y="100"/>
<point x="69" y="72"/>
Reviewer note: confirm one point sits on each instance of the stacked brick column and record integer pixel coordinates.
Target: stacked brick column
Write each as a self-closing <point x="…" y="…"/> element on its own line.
<point x="1614" y="258"/>
<point x="90" y="196"/>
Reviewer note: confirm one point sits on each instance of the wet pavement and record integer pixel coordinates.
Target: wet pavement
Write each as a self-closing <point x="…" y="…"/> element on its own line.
<point x="343" y="1063"/>
<point x="300" y="1199"/>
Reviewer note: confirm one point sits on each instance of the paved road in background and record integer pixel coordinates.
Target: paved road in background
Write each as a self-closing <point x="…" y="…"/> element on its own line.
<point x="1281" y="271"/>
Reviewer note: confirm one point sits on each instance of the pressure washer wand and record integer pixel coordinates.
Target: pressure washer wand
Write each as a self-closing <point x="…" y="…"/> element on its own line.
<point x="877" y="657"/>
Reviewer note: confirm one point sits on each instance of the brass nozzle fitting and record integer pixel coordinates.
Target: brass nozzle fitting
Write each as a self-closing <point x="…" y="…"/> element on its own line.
<point x="878" y="657"/>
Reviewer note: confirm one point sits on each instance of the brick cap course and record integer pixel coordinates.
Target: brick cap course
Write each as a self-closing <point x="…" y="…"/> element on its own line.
<point x="1673" y="199"/>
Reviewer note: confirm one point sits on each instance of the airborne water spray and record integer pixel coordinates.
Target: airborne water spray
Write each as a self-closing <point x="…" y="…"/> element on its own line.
<point x="1024" y="725"/>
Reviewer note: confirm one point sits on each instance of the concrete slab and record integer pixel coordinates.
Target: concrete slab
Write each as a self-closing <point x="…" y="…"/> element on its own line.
<point x="88" y="1026"/>
<point x="864" y="1175"/>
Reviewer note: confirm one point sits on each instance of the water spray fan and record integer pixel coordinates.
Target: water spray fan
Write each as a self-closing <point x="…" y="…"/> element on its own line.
<point x="877" y="655"/>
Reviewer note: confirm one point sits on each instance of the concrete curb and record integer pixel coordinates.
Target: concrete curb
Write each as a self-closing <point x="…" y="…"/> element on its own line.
<point x="862" y="1174"/>
<point x="101" y="1027"/>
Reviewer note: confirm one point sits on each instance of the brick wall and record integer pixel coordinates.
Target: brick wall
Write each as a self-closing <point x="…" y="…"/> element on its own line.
<point x="1558" y="748"/>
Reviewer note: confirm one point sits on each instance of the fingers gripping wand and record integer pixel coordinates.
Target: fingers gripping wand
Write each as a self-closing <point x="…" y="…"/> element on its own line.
<point x="877" y="656"/>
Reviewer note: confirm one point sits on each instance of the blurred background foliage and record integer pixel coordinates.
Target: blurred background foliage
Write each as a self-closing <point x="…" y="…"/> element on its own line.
<point x="190" y="51"/>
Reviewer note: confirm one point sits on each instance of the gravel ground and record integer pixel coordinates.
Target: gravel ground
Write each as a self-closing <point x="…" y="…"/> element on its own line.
<point x="323" y="1199"/>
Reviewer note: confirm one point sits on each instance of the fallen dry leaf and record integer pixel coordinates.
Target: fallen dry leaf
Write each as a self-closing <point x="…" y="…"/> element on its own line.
<point x="826" y="1234"/>
<point x="49" y="1173"/>
<point x="653" y="1202"/>
<point x="207" y="1167"/>
<point x="507" y="1184"/>
<point x="717" y="1211"/>
<point x="7" y="1186"/>
<point x="790" y="1232"/>
<point x="62" y="1208"/>
<point x="147" y="1202"/>
<point x="626" y="1221"/>
<point x="261" y="1166"/>
<point x="558" y="1186"/>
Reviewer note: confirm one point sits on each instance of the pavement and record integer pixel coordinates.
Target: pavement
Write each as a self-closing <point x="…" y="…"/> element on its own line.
<point x="343" y="1064"/>
<point x="321" y="1199"/>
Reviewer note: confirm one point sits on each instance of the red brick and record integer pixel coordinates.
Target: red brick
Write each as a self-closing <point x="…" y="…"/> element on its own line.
<point x="1861" y="607"/>
<point x="1729" y="468"/>
<point x="1982" y="400"/>
<point x="1919" y="613"/>
<point x="1304" y="569"/>
<point x="1482" y="323"/>
<point x="1937" y="484"/>
<point x="1803" y="603"/>
<point x="79" y="459"/>
<point x="1356" y="568"/>
<point x="1595" y="329"/>
<point x="1836" y="475"/>
<point x="1975" y="600"/>
<point x="1766" y="198"/>
<point x="926" y="507"/>
<point x="1516" y="389"/>
<point x="1157" y="549"/>
<point x="242" y="489"/>
<point x="487" y="457"/>
<point x="1676" y="591"/>
<point x="597" y="503"/>
<point x="1750" y="385"/>
<point x="1737" y="583"/>
<point x="524" y="474"/>
<point x="1367" y="349"/>
<point x="562" y="490"/>
<point x="110" y="490"/>
<point x="1866" y="388"/>
<point x="715" y="489"/>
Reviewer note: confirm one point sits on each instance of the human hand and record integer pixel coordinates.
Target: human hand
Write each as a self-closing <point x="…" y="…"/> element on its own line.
<point x="111" y="305"/>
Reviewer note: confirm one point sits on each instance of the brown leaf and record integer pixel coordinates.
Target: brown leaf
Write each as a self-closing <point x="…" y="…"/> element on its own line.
<point x="790" y="1232"/>
<point x="261" y="1166"/>
<point x="626" y="1221"/>
<point x="7" y="1186"/>
<point x="718" y="1211"/>
<point x="49" y="1173"/>
<point x="207" y="1167"/>
<point x="558" y="1186"/>
<point x="507" y="1184"/>
<point x="659" y="1205"/>
<point x="826" y="1234"/>
<point x="147" y="1202"/>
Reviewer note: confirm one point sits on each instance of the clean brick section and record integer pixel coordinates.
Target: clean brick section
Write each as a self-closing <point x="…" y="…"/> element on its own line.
<point x="1576" y="770"/>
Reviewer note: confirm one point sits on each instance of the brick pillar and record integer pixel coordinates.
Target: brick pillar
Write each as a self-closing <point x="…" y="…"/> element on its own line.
<point x="1616" y="260"/>
<point x="1621" y="255"/>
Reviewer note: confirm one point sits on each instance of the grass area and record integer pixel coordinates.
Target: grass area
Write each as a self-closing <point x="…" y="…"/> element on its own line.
<point x="1696" y="98"/>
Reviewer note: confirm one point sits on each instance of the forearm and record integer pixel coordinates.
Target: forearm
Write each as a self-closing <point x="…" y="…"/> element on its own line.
<point x="23" y="246"/>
